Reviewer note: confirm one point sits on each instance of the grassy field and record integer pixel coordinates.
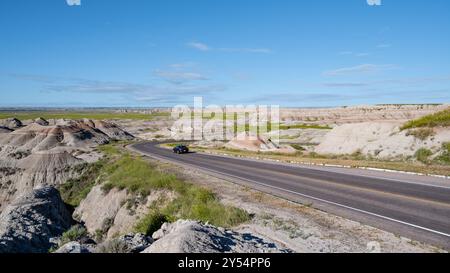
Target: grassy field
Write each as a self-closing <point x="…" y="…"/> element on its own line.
<point x="124" y="170"/>
<point x="79" y="115"/>
<point x="435" y="120"/>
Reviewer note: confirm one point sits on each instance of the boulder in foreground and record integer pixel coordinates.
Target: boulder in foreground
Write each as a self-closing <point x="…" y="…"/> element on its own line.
<point x="29" y="222"/>
<point x="186" y="236"/>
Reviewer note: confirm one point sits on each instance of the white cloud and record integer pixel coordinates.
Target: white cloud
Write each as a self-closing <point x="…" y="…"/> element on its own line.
<point x="374" y="2"/>
<point x="158" y="93"/>
<point x="199" y="46"/>
<point x="179" y="77"/>
<point x="73" y="2"/>
<point x="360" y="54"/>
<point x="363" y="68"/>
<point x="205" y="47"/>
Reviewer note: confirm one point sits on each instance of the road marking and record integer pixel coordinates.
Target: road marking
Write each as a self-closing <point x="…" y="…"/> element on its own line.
<point x="321" y="168"/>
<point x="312" y="197"/>
<point x="329" y="202"/>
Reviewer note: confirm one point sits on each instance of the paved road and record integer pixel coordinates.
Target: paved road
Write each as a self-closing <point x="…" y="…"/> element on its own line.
<point x="407" y="205"/>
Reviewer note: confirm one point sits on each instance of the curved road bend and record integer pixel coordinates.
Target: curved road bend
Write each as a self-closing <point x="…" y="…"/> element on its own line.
<point x="407" y="205"/>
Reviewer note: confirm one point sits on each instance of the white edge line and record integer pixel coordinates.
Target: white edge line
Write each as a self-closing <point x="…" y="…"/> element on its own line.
<point x="307" y="166"/>
<point x="315" y="198"/>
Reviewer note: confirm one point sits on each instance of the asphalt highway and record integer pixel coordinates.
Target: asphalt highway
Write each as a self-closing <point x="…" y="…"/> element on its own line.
<point x="407" y="205"/>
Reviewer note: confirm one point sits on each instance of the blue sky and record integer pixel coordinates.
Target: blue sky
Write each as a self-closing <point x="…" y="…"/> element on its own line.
<point x="164" y="52"/>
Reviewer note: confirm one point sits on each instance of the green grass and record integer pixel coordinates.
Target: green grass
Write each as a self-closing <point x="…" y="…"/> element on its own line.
<point x="444" y="158"/>
<point x="423" y="155"/>
<point x="435" y="120"/>
<point x="75" y="190"/>
<point x="201" y="204"/>
<point x="137" y="175"/>
<point x="150" y="223"/>
<point x="133" y="173"/>
<point x="75" y="233"/>
<point x="27" y="115"/>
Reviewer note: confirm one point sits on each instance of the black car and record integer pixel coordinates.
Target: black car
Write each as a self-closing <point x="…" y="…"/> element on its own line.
<point x="181" y="149"/>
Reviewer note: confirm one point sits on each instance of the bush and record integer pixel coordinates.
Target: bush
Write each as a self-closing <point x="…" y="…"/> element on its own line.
<point x="422" y="133"/>
<point x="423" y="154"/>
<point x="445" y="155"/>
<point x="150" y="223"/>
<point x="297" y="147"/>
<point x="113" y="247"/>
<point x="75" y="233"/>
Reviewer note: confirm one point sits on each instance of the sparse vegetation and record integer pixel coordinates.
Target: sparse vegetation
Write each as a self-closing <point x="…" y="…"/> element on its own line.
<point x="421" y="133"/>
<point x="19" y="154"/>
<point x="128" y="171"/>
<point x="344" y="160"/>
<point x="438" y="119"/>
<point x="113" y="247"/>
<point x="75" y="233"/>
<point x="423" y="155"/>
<point x="444" y="158"/>
<point x="75" y="190"/>
<point x="298" y="147"/>
<point x="150" y="223"/>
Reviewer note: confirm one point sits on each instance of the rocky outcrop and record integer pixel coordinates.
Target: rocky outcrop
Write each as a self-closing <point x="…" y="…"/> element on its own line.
<point x="75" y="248"/>
<point x="115" y="212"/>
<point x="98" y="210"/>
<point x="5" y="130"/>
<point x="358" y="114"/>
<point x="252" y="142"/>
<point x="11" y="123"/>
<point x="28" y="224"/>
<point x="194" y="237"/>
<point x="47" y="152"/>
<point x="130" y="243"/>
<point x="382" y="140"/>
<point x="41" y="121"/>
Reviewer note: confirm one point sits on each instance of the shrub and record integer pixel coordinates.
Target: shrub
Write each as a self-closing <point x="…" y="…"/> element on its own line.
<point x="423" y="154"/>
<point x="114" y="247"/>
<point x="150" y="223"/>
<point x="422" y="133"/>
<point x="75" y="233"/>
<point x="445" y="155"/>
<point x="297" y="147"/>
